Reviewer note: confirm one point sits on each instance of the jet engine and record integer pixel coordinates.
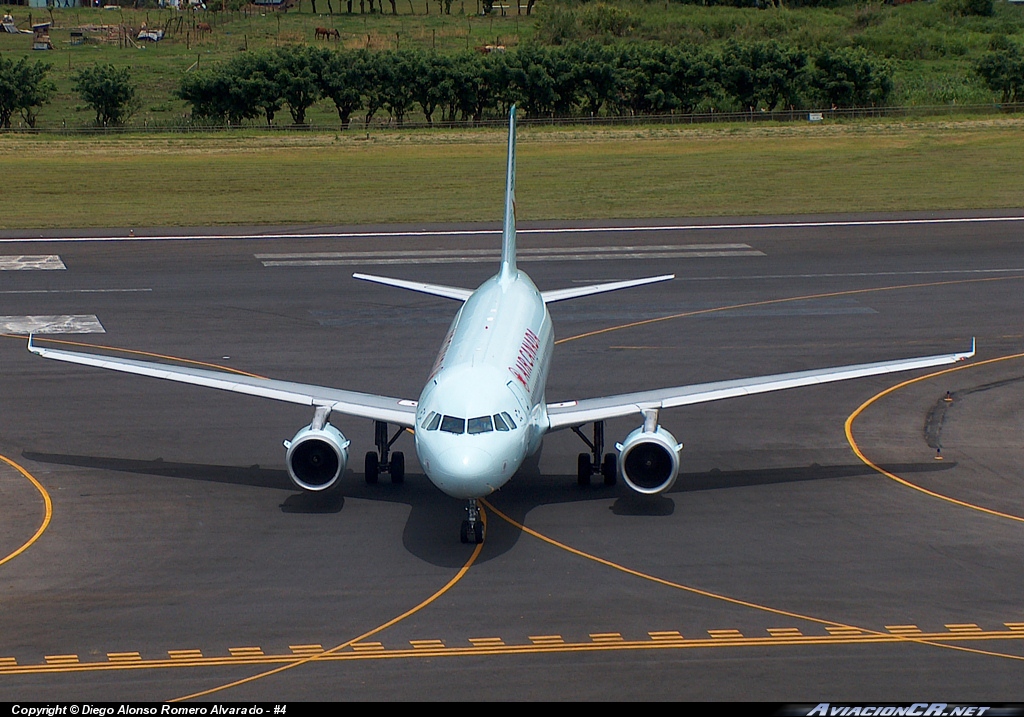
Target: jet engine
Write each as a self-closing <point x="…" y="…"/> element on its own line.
<point x="316" y="457"/>
<point x="649" y="460"/>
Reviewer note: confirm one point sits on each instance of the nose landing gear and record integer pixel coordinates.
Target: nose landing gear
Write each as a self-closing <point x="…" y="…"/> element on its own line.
<point x="472" y="528"/>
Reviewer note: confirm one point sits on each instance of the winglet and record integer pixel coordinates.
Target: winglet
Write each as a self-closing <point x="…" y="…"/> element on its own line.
<point x="33" y="348"/>
<point x="508" y="234"/>
<point x="969" y="354"/>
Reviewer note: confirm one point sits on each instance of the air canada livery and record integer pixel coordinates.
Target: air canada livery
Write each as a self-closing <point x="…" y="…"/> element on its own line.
<point x="483" y="409"/>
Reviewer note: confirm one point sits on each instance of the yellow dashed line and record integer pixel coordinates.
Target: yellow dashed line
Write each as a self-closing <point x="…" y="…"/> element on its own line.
<point x="1014" y="625"/>
<point x="547" y="640"/>
<point x="725" y="634"/>
<point x="124" y="657"/>
<point x="784" y="632"/>
<point x="245" y="651"/>
<point x="487" y="642"/>
<point x="844" y="631"/>
<point x="61" y="659"/>
<point x="963" y="627"/>
<point x="306" y="649"/>
<point x="665" y="639"/>
<point x="666" y="636"/>
<point x="903" y="629"/>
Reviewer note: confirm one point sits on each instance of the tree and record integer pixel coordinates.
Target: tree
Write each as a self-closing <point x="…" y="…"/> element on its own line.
<point x="851" y="77"/>
<point x="1002" y="70"/>
<point x="296" y="72"/>
<point x="342" y="79"/>
<point x="23" y="88"/>
<point x="761" y="74"/>
<point x="109" y="91"/>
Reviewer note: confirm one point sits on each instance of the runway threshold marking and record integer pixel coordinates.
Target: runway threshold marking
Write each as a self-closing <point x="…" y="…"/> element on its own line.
<point x="848" y="428"/>
<point x="547" y="644"/>
<point x="788" y="299"/>
<point x="294" y="661"/>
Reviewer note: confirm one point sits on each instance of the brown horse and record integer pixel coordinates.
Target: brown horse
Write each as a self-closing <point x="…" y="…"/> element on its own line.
<point x="326" y="32"/>
<point x="202" y="28"/>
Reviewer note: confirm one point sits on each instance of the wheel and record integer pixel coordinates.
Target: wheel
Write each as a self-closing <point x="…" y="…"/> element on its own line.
<point x="478" y="532"/>
<point x="372" y="466"/>
<point x="584" y="469"/>
<point x="609" y="468"/>
<point x="464" y="532"/>
<point x="397" y="467"/>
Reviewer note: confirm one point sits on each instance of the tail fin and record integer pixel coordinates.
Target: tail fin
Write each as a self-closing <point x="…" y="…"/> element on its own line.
<point x="508" y="234"/>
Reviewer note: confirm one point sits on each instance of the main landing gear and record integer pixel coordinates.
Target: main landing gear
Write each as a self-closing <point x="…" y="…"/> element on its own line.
<point x="591" y="464"/>
<point x="472" y="527"/>
<point x="382" y="461"/>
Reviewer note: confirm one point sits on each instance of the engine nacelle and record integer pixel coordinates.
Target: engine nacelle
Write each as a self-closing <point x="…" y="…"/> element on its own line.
<point x="316" y="458"/>
<point x="649" y="460"/>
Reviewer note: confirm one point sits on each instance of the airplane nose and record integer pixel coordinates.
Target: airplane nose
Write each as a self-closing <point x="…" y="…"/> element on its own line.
<point x="465" y="472"/>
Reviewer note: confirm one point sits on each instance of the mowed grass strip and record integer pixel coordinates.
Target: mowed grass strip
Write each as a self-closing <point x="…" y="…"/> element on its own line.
<point x="438" y="176"/>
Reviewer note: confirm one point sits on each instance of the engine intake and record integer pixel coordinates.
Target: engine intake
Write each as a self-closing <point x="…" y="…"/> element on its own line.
<point x="649" y="460"/>
<point x="316" y="457"/>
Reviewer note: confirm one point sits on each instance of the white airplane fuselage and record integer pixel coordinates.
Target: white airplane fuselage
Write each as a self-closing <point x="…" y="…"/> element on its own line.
<point x="487" y="387"/>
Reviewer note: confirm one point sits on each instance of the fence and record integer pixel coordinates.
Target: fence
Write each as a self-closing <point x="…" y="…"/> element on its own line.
<point x="381" y="123"/>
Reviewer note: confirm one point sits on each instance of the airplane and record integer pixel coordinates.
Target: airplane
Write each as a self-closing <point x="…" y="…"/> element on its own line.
<point x="483" y="409"/>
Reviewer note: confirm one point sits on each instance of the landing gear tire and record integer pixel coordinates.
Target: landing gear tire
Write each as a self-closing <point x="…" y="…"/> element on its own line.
<point x="472" y="533"/>
<point x="397" y="468"/>
<point x="584" y="469"/>
<point x="609" y="469"/>
<point x="372" y="467"/>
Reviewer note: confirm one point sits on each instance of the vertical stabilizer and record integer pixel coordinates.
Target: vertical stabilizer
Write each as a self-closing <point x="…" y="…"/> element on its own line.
<point x="508" y="234"/>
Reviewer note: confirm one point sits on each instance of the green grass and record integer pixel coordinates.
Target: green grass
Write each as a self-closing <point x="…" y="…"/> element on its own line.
<point x="438" y="176"/>
<point x="933" y="53"/>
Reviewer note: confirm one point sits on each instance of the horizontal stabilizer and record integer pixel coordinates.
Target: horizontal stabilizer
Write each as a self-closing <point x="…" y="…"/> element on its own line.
<point x="577" y="291"/>
<point x="448" y="292"/>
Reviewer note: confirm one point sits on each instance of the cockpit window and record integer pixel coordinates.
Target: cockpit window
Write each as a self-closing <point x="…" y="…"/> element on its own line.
<point x="481" y="424"/>
<point x="453" y="425"/>
<point x="499" y="423"/>
<point x="432" y="421"/>
<point x="508" y="419"/>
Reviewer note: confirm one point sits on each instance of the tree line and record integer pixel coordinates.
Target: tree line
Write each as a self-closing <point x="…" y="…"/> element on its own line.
<point x="574" y="80"/>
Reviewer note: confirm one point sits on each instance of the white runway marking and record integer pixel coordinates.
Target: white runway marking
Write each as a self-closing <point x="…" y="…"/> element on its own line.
<point x="23" y="262"/>
<point x="539" y="230"/>
<point x="476" y="256"/>
<point x="60" y="324"/>
<point x="923" y="272"/>
<point x="74" y="291"/>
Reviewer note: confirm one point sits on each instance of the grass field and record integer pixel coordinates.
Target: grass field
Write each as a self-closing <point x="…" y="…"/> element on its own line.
<point x="438" y="176"/>
<point x="932" y="52"/>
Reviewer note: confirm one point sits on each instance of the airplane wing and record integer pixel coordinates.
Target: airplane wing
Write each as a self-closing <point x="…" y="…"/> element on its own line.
<point x="352" y="403"/>
<point x="575" y="413"/>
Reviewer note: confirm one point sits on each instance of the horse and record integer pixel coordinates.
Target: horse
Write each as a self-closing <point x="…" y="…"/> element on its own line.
<point x="326" y="32"/>
<point x="203" y="27"/>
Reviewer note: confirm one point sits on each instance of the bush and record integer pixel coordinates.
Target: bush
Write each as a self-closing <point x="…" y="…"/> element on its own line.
<point x="109" y="91"/>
